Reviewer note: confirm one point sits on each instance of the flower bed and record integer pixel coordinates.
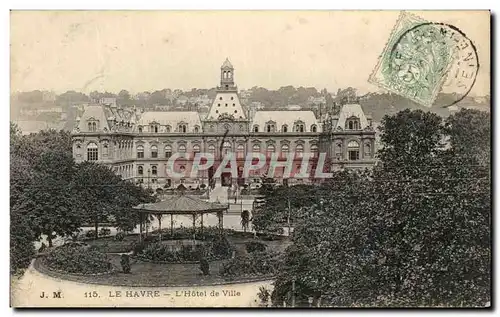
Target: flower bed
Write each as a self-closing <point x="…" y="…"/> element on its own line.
<point x="181" y="233"/>
<point x="77" y="259"/>
<point x="158" y="252"/>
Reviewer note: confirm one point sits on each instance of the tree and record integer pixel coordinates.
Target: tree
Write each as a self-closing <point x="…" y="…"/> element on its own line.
<point x="124" y="97"/>
<point x="98" y="192"/>
<point x="271" y="209"/>
<point x="129" y="195"/>
<point x="70" y="97"/>
<point x="433" y="233"/>
<point x="328" y="255"/>
<point x="469" y="135"/>
<point x="104" y="195"/>
<point x="48" y="202"/>
<point x="22" y="250"/>
<point x="413" y="232"/>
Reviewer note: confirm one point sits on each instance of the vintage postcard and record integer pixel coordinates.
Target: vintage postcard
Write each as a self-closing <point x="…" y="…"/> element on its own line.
<point x="250" y="159"/>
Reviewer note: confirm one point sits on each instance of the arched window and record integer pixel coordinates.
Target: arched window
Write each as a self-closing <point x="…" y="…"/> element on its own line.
<point x="196" y="149"/>
<point x="182" y="128"/>
<point x="211" y="149"/>
<point x="154" y="151"/>
<point x="168" y="129"/>
<point x="255" y="128"/>
<point x="368" y="150"/>
<point x="168" y="151"/>
<point x="140" y="151"/>
<point x="94" y="126"/>
<point x="240" y="151"/>
<point x="284" y="128"/>
<point x="299" y="127"/>
<point x="90" y="126"/>
<point x="353" y="123"/>
<point x="105" y="149"/>
<point x="140" y="170"/>
<point x="353" y="150"/>
<point x="284" y="150"/>
<point x="92" y="152"/>
<point x="196" y="129"/>
<point x="140" y="129"/>
<point x="256" y="148"/>
<point x="314" y="150"/>
<point x="154" y="170"/>
<point x="226" y="147"/>
<point x="299" y="149"/>
<point x="212" y="128"/>
<point x="154" y="128"/>
<point x="270" y="150"/>
<point x="182" y="148"/>
<point x="314" y="128"/>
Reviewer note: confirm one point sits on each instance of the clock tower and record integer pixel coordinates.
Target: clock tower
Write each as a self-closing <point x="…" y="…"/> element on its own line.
<point x="227" y="76"/>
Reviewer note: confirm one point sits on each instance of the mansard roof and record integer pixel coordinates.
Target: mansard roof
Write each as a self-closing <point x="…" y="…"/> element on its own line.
<point x="93" y="112"/>
<point x="171" y="118"/>
<point x="352" y="110"/>
<point x="286" y="118"/>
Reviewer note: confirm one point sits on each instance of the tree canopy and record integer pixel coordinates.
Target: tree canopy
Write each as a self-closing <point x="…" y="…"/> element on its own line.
<point x="415" y="231"/>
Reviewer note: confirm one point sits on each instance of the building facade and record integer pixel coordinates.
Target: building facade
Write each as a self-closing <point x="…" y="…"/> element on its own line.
<point x="138" y="145"/>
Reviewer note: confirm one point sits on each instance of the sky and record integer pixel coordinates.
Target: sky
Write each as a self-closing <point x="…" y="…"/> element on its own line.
<point x="152" y="50"/>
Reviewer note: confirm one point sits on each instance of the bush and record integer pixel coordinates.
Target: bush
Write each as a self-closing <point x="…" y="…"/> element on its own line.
<point x="257" y="263"/>
<point x="104" y="232"/>
<point x="125" y="262"/>
<point x="162" y="253"/>
<point x="120" y="236"/>
<point x="221" y="247"/>
<point x="255" y="246"/>
<point x="90" y="234"/>
<point x="72" y="258"/>
<point x="138" y="247"/>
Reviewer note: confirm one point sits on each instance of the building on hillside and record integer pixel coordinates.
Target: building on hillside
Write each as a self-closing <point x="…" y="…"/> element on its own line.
<point x="138" y="145"/>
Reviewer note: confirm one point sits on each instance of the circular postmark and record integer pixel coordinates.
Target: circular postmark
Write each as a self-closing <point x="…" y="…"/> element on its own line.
<point x="430" y="58"/>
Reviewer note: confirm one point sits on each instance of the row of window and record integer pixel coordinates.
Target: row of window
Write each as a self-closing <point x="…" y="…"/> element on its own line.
<point x="153" y="170"/>
<point x="353" y="149"/>
<point x="284" y="128"/>
<point x="226" y="147"/>
<point x="267" y="128"/>
<point x="155" y="128"/>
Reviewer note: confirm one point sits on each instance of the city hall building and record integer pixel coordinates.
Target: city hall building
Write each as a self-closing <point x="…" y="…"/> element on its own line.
<point x="138" y="145"/>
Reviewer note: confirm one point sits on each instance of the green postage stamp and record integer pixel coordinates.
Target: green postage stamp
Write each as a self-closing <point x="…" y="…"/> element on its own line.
<point x="421" y="58"/>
